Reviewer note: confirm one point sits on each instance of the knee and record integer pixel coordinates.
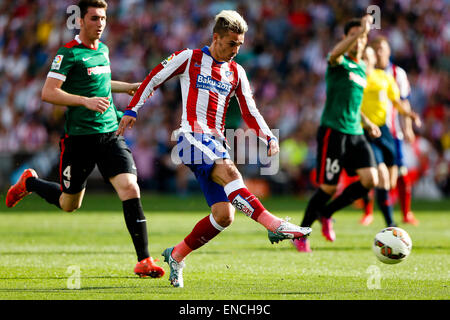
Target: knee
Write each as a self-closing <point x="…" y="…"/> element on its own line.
<point x="232" y="173"/>
<point x="129" y="190"/>
<point x="224" y="216"/>
<point x="329" y="189"/>
<point x="71" y="207"/>
<point x="370" y="181"/>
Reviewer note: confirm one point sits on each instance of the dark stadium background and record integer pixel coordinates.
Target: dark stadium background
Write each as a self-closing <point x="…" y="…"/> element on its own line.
<point x="284" y="55"/>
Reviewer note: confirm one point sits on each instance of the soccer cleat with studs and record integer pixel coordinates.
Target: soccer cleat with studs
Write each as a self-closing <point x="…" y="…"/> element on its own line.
<point x="148" y="268"/>
<point x="176" y="268"/>
<point x="288" y="230"/>
<point x="19" y="190"/>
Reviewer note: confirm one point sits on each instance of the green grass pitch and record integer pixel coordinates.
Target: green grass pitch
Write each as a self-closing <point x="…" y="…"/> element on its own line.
<point x="42" y="249"/>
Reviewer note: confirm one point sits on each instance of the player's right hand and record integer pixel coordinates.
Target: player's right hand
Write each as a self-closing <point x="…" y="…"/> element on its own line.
<point x="98" y="104"/>
<point x="127" y="122"/>
<point x="366" y="22"/>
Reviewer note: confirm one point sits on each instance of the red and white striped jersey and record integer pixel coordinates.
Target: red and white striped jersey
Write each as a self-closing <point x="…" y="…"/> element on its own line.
<point x="392" y="119"/>
<point x="206" y="86"/>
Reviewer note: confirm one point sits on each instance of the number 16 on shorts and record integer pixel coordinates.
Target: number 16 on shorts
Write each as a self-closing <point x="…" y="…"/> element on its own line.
<point x="66" y="177"/>
<point x="332" y="168"/>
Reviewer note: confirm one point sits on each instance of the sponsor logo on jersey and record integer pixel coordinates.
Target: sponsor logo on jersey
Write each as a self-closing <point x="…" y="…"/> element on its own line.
<point x="56" y="64"/>
<point x="211" y="84"/>
<point x="357" y="79"/>
<point x="243" y="205"/>
<point x="98" y="70"/>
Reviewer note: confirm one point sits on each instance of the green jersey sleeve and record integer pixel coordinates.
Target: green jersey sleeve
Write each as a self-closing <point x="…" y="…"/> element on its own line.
<point x="62" y="63"/>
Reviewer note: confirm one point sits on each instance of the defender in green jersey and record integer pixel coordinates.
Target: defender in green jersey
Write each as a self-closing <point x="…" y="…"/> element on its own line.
<point x="341" y="141"/>
<point x="80" y="78"/>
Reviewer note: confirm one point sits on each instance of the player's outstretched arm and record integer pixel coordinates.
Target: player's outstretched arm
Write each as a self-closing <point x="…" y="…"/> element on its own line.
<point x="52" y="93"/>
<point x="124" y="87"/>
<point x="335" y="56"/>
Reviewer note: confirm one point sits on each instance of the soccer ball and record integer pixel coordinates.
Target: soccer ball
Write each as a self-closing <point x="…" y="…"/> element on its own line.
<point x="392" y="245"/>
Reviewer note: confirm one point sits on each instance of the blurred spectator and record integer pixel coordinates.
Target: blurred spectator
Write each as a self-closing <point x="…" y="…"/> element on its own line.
<point x="284" y="55"/>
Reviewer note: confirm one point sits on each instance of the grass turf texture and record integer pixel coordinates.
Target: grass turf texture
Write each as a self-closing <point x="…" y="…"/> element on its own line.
<point x="39" y="243"/>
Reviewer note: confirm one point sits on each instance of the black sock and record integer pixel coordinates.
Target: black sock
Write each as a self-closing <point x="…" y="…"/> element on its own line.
<point x="366" y="198"/>
<point x="315" y="205"/>
<point x="50" y="191"/>
<point x="350" y="194"/>
<point x="137" y="226"/>
<point x="382" y="196"/>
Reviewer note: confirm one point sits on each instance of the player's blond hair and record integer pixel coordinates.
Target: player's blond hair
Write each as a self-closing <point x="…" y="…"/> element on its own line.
<point x="229" y="20"/>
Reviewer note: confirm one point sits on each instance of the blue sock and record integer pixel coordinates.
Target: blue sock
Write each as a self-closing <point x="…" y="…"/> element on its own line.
<point x="382" y="196"/>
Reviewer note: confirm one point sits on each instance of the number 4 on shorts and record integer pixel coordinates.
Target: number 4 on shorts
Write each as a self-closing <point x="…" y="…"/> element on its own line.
<point x="66" y="174"/>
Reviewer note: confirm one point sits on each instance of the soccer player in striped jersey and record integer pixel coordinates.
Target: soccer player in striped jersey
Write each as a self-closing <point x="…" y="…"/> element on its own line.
<point x="80" y="78"/>
<point x="399" y="131"/>
<point x="382" y="91"/>
<point x="209" y="79"/>
<point x="340" y="137"/>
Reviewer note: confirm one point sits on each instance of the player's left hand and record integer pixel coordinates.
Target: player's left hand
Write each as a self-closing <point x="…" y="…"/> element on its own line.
<point x="127" y="122"/>
<point x="274" y="148"/>
<point x="133" y="88"/>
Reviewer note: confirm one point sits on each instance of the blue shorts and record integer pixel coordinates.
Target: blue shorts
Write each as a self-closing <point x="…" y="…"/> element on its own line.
<point x="399" y="157"/>
<point x="199" y="151"/>
<point x="383" y="147"/>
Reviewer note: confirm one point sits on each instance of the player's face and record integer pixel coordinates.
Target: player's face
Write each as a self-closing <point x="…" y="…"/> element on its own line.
<point x="369" y="57"/>
<point x="383" y="52"/>
<point x="227" y="47"/>
<point x="94" y="22"/>
<point x="360" y="44"/>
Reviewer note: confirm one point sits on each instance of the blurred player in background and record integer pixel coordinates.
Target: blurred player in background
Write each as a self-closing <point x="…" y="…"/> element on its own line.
<point x="80" y="78"/>
<point x="209" y="78"/>
<point x="380" y="89"/>
<point x="341" y="140"/>
<point x="399" y="131"/>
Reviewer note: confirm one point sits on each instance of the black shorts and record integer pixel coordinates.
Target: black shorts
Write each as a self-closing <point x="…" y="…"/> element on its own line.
<point x="80" y="154"/>
<point x="383" y="147"/>
<point x="337" y="151"/>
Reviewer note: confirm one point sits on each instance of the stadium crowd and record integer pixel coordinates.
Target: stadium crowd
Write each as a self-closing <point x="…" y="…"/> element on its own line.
<point x="284" y="55"/>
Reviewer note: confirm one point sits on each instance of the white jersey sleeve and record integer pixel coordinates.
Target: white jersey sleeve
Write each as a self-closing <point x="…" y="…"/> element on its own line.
<point x="174" y="65"/>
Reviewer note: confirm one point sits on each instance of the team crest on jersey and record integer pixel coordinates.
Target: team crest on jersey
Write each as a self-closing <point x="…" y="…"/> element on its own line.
<point x="56" y="64"/>
<point x="229" y="75"/>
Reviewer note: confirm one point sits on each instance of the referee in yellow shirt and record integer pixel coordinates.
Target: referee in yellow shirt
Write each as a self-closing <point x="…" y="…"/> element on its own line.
<point x="381" y="87"/>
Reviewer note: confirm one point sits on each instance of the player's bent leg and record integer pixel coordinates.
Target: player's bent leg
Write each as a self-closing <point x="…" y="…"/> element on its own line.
<point x="126" y="186"/>
<point x="71" y="202"/>
<point x="222" y="215"/>
<point x="128" y="191"/>
<point x="368" y="177"/>
<point x="393" y="176"/>
<point x="226" y="174"/>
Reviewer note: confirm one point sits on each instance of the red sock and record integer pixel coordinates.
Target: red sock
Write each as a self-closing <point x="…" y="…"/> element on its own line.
<point x="404" y="194"/>
<point x="204" y="230"/>
<point x="368" y="203"/>
<point x="244" y="200"/>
